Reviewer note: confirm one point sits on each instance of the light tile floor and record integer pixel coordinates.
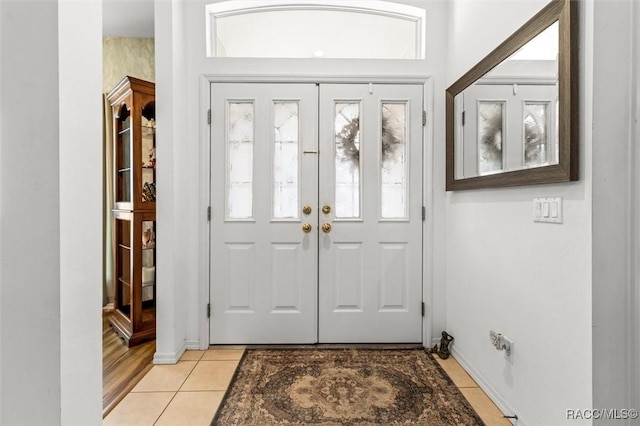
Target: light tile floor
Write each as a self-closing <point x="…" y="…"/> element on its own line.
<point x="486" y="409"/>
<point x="189" y="393"/>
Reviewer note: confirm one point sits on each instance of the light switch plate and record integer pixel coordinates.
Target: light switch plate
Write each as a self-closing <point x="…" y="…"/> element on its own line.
<point x="547" y="210"/>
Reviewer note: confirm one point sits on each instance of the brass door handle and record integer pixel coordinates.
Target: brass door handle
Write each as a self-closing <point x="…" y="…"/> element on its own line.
<point x="306" y="228"/>
<point x="326" y="227"/>
<point x="326" y="209"/>
<point x="306" y="209"/>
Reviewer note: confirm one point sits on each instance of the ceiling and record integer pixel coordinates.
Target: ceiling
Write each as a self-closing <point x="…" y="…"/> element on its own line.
<point x="127" y="18"/>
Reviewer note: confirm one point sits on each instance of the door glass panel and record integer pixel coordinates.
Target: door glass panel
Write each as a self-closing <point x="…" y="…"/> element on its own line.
<point x="347" y="159"/>
<point x="240" y="157"/>
<point x="490" y="135"/>
<point x="535" y="133"/>
<point x="285" y="160"/>
<point x="393" y="193"/>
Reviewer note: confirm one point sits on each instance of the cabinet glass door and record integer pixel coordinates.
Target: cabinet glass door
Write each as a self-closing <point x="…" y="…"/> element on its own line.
<point x="123" y="254"/>
<point x="148" y="153"/>
<point x="123" y="155"/>
<point x="148" y="263"/>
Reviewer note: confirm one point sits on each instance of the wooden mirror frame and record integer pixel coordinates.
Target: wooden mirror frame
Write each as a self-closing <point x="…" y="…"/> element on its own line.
<point x="564" y="12"/>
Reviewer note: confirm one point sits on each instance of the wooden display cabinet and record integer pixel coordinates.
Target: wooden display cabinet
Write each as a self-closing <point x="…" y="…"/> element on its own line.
<point x="133" y="105"/>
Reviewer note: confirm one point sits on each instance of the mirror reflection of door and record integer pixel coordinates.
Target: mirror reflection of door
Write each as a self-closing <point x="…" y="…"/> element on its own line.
<point x="507" y="119"/>
<point x="316" y="227"/>
<point x="508" y="127"/>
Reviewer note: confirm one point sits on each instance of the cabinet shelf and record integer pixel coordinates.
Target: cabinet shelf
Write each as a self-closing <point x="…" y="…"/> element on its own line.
<point x="134" y="188"/>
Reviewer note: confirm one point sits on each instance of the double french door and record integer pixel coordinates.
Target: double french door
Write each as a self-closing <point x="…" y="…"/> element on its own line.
<point x="316" y="225"/>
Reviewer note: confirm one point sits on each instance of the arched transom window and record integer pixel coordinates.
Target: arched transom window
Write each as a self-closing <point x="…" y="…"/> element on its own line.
<point x="315" y="29"/>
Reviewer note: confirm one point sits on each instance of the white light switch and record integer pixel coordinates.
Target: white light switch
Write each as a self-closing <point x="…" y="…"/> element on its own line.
<point x="548" y="210"/>
<point x="545" y="209"/>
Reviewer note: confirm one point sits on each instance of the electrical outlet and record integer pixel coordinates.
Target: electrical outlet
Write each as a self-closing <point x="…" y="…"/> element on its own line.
<point x="507" y="344"/>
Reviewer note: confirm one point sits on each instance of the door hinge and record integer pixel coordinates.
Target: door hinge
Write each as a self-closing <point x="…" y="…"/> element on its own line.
<point x="424" y="213"/>
<point x="424" y="118"/>
<point x="463" y="117"/>
<point x="422" y="308"/>
<point x="209" y="117"/>
<point x="209" y="310"/>
<point x="209" y="214"/>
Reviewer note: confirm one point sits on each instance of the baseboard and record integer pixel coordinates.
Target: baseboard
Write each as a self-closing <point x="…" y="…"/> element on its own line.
<point x="170" y="357"/>
<point x="174" y="357"/>
<point x="192" y="345"/>
<point x="435" y="341"/>
<point x="491" y="392"/>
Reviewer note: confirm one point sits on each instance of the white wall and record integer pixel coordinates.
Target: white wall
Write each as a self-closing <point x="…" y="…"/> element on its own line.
<point x="634" y="371"/>
<point x="175" y="262"/>
<point x="50" y="193"/>
<point x="634" y="296"/>
<point x="81" y="248"/>
<point x="30" y="229"/>
<point x="528" y="280"/>
<point x="180" y="33"/>
<point x="613" y="96"/>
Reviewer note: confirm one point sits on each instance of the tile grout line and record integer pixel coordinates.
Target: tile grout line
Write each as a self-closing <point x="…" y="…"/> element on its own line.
<point x="188" y="375"/>
<point x="165" y="408"/>
<point x="175" y="393"/>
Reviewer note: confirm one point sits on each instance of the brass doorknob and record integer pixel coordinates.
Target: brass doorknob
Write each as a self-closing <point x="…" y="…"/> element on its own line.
<point x="306" y="228"/>
<point x="306" y="209"/>
<point x="326" y="209"/>
<point x="326" y="227"/>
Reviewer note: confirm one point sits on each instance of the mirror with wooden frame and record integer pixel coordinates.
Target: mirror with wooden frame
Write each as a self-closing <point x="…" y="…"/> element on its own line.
<point x="513" y="118"/>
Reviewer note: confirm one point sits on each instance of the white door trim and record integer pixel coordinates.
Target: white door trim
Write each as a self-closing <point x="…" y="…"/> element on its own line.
<point x="205" y="178"/>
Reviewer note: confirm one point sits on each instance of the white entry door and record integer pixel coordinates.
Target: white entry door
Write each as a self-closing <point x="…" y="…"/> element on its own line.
<point x="370" y="288"/>
<point x="263" y="265"/>
<point x="316" y="228"/>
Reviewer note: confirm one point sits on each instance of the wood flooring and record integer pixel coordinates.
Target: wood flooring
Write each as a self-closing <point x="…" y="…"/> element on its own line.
<point x="122" y="367"/>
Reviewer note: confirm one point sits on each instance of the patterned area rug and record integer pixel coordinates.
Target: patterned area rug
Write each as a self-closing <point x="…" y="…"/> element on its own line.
<point x="342" y="387"/>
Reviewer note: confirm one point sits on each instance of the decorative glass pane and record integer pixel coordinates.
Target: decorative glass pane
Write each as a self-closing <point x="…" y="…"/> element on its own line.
<point x="148" y="259"/>
<point x="393" y="193"/>
<point x="240" y="154"/>
<point x="535" y="133"/>
<point x="285" y="160"/>
<point x="490" y="134"/>
<point x="347" y="159"/>
<point x="148" y="160"/>
<point x="323" y="31"/>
